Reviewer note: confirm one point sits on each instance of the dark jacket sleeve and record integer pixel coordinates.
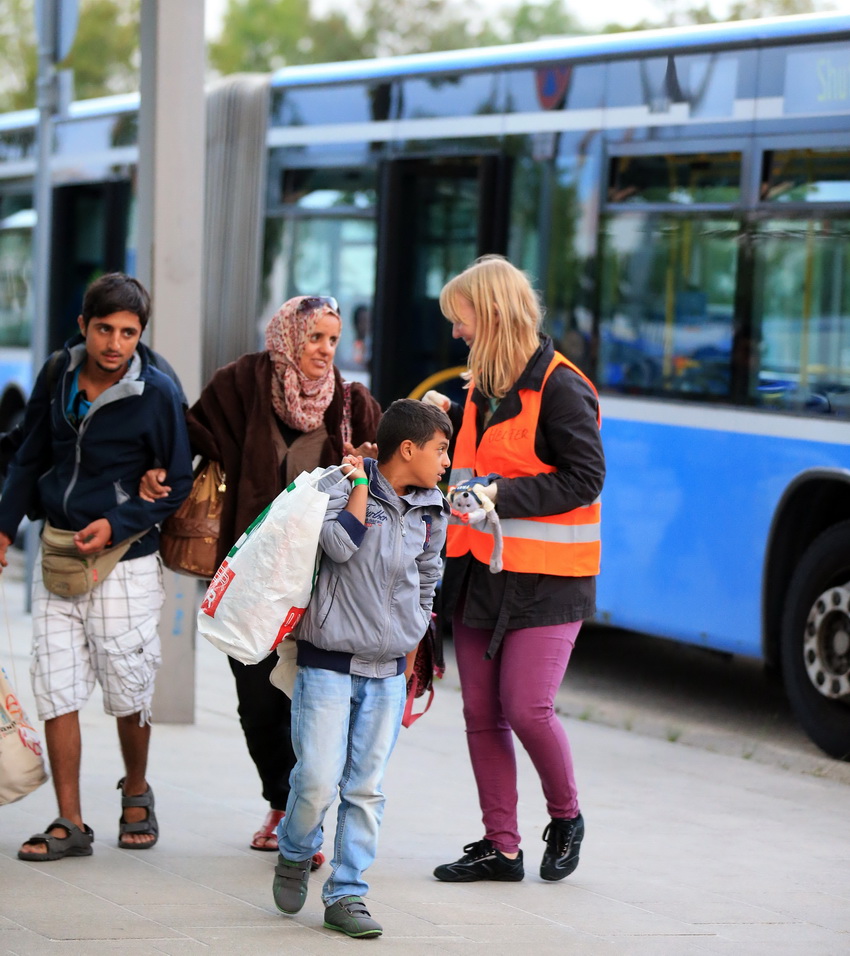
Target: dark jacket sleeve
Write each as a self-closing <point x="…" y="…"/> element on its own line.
<point x="30" y="461"/>
<point x="170" y="446"/>
<point x="200" y="419"/>
<point x="568" y="437"/>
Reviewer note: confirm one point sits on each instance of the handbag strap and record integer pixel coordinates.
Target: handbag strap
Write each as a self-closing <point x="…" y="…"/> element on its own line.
<point x="8" y="630"/>
<point x="346" y="412"/>
<point x="408" y="717"/>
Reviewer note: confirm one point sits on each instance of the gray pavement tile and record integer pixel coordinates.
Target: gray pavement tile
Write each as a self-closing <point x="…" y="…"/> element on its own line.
<point x="697" y="911"/>
<point x="88" y="919"/>
<point x="285" y="937"/>
<point x="804" y="935"/>
<point x="737" y="947"/>
<point x="120" y="881"/>
<point x="610" y="918"/>
<point x="107" y="947"/>
<point x="544" y="938"/>
<point x="188" y="918"/>
<point x="477" y="912"/>
<point x="817" y="909"/>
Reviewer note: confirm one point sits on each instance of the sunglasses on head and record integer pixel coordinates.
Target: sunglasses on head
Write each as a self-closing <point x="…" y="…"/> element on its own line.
<point x="311" y="302"/>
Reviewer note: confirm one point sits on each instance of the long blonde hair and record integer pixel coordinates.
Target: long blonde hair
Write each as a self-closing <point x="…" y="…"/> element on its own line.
<point x="508" y="316"/>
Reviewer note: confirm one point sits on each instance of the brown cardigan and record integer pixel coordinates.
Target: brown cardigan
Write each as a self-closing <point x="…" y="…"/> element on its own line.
<point x="233" y="423"/>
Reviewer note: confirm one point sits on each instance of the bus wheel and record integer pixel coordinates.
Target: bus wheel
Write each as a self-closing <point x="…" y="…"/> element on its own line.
<point x="816" y="641"/>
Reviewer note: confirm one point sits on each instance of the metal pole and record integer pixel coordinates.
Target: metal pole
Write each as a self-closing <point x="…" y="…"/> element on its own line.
<point x="47" y="103"/>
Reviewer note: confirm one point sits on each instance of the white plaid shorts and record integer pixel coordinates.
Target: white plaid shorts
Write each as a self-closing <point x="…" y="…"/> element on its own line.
<point x="109" y="635"/>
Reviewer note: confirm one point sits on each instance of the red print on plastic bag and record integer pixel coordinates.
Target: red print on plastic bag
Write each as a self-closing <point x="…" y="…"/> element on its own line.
<point x="219" y="584"/>
<point x="293" y="616"/>
<point x="26" y="731"/>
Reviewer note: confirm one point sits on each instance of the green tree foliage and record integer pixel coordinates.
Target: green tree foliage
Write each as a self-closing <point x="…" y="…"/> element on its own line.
<point x="263" y="35"/>
<point x="104" y="57"/>
<point x="17" y="54"/>
<point x="531" y="21"/>
<point x="417" y="26"/>
<point x="756" y="9"/>
<point x="681" y="12"/>
<point x="260" y="35"/>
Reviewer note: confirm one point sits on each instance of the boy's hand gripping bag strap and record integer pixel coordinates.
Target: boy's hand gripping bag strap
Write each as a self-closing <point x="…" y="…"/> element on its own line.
<point x="189" y="538"/>
<point x="68" y="573"/>
<point x="424" y="663"/>
<point x="21" y="761"/>
<point x="261" y="591"/>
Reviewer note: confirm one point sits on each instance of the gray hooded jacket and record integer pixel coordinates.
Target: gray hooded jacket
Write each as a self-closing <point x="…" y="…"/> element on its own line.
<point x="376" y="581"/>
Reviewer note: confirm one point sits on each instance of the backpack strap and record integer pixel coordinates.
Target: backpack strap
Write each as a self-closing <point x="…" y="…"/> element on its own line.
<point x="52" y="368"/>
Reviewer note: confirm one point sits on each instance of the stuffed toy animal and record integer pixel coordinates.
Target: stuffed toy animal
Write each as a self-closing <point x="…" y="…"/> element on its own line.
<point x="470" y="505"/>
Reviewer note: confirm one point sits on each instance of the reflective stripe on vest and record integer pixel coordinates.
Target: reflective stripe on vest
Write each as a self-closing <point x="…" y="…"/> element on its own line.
<point x="565" y="544"/>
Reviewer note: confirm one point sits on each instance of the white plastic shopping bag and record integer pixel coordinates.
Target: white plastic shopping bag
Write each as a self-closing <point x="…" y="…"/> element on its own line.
<point x="261" y="591"/>
<point x="21" y="761"/>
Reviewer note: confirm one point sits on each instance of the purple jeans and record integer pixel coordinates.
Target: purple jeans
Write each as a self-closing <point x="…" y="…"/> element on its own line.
<point x="516" y="691"/>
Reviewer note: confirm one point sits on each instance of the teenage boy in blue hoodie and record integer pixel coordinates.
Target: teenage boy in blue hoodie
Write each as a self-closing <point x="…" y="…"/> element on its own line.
<point x="382" y="536"/>
<point x="100" y="415"/>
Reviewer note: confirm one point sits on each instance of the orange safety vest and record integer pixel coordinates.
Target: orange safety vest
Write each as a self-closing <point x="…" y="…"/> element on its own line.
<point x="565" y="544"/>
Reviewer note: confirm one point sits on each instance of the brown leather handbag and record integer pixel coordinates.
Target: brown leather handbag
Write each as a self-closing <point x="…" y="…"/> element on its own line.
<point x="189" y="538"/>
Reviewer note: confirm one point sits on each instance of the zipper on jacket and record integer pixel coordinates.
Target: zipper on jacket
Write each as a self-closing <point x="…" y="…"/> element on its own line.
<point x="78" y="457"/>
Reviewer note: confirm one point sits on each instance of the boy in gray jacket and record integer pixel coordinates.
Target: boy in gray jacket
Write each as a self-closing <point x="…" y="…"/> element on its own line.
<point x="381" y="541"/>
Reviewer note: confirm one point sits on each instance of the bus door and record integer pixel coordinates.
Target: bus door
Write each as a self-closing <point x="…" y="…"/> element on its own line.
<point x="435" y="216"/>
<point x="91" y="226"/>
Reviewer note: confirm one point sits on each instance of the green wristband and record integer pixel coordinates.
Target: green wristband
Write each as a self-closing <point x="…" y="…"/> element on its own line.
<point x="359" y="481"/>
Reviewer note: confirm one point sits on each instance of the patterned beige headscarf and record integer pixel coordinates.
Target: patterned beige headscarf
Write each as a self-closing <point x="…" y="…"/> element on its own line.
<point x="299" y="401"/>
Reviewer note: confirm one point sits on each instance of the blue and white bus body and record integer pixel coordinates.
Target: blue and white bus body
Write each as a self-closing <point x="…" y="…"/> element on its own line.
<point x="682" y="482"/>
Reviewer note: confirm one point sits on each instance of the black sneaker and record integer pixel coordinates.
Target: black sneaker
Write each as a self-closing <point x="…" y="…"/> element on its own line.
<point x="481" y="861"/>
<point x="350" y="916"/>
<point x="563" y="840"/>
<point x="290" y="884"/>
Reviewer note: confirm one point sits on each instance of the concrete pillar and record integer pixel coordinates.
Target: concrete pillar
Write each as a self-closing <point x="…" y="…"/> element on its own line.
<point x="170" y="258"/>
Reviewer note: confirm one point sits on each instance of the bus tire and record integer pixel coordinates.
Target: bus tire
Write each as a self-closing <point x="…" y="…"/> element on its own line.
<point x="815" y="636"/>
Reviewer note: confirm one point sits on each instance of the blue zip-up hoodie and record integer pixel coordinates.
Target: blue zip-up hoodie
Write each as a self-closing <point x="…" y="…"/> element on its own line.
<point x="78" y="475"/>
<point x="376" y="581"/>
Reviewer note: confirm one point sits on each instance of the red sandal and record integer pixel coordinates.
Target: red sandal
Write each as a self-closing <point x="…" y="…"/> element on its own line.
<point x="268" y="832"/>
<point x="266" y="837"/>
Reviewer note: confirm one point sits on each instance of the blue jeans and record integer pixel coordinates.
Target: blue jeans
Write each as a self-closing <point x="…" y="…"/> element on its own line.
<point x="344" y="729"/>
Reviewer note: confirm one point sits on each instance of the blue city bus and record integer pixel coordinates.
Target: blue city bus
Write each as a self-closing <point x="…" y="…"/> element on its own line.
<point x="682" y="200"/>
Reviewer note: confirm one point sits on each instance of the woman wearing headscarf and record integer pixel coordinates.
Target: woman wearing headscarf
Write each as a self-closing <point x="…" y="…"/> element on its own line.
<point x="267" y="417"/>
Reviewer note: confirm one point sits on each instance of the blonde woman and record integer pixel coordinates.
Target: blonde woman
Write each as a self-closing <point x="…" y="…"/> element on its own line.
<point x="529" y="431"/>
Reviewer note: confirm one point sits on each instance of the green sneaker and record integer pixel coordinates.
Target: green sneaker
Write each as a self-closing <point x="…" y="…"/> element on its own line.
<point x="350" y="916"/>
<point x="290" y="884"/>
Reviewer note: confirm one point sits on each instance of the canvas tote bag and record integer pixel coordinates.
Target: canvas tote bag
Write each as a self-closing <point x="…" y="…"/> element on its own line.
<point x="21" y="761"/>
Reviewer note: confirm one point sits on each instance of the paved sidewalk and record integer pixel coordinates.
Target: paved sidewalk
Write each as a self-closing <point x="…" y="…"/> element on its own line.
<point x="687" y="851"/>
